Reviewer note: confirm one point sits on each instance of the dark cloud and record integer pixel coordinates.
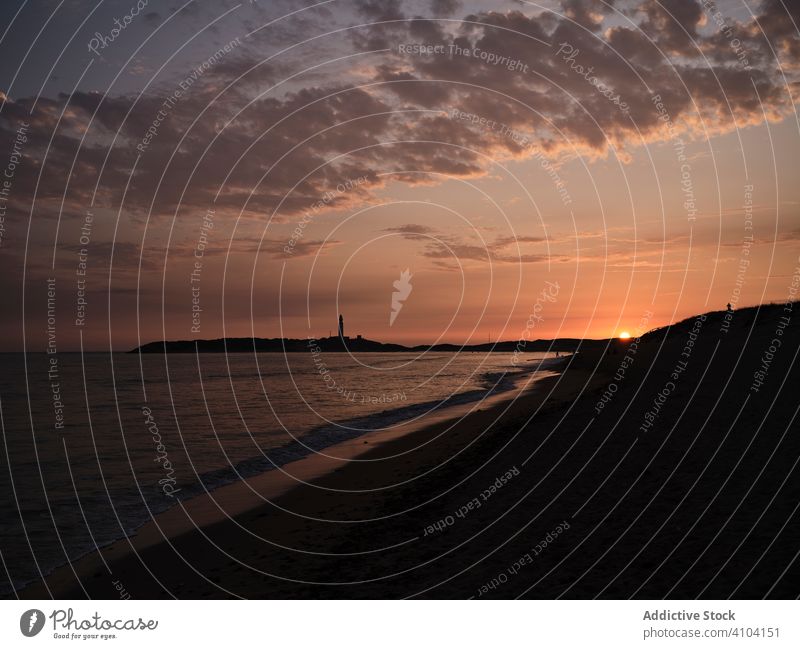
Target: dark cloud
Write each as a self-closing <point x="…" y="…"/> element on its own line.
<point x="411" y="229"/>
<point x="406" y="86"/>
<point x="587" y="13"/>
<point x="673" y="23"/>
<point x="449" y="249"/>
<point x="634" y="46"/>
<point x="780" y="18"/>
<point x="380" y="10"/>
<point x="303" y="248"/>
<point x="427" y="31"/>
<point x="513" y="240"/>
<point x="443" y="8"/>
<point x="153" y="18"/>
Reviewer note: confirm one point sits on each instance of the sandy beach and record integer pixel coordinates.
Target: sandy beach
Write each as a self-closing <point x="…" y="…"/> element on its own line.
<point x="546" y="495"/>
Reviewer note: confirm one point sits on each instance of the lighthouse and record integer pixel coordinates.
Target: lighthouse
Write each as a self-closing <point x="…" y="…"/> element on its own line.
<point x="341" y="327"/>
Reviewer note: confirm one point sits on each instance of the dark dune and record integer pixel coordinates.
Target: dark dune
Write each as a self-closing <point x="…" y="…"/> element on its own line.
<point x="362" y="345"/>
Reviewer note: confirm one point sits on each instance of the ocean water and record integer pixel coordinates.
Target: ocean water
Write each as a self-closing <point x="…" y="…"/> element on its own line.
<point x="93" y="445"/>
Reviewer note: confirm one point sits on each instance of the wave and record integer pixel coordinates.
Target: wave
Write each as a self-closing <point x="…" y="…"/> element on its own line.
<point x="325" y="436"/>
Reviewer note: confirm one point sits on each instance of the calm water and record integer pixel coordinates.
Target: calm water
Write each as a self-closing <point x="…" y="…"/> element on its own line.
<point x="104" y="439"/>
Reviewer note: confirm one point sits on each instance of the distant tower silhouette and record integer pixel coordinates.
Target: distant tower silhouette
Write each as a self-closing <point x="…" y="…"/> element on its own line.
<point x="341" y="326"/>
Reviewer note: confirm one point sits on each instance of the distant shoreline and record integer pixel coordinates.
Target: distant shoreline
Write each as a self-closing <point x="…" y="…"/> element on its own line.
<point x="335" y="344"/>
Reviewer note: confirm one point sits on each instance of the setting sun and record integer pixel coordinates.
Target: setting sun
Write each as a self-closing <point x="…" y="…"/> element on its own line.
<point x="624" y="335"/>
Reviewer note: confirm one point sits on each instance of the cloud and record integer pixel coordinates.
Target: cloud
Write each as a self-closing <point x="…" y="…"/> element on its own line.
<point x="447" y="249"/>
<point x="442" y="8"/>
<point x="274" y="150"/>
<point x="379" y="10"/>
<point x="325" y="98"/>
<point x="412" y="231"/>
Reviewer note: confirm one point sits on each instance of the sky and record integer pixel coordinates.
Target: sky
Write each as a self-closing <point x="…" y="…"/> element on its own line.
<point x="181" y="170"/>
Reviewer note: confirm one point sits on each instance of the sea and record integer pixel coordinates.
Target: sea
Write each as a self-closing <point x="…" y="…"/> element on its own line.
<point x="95" y="444"/>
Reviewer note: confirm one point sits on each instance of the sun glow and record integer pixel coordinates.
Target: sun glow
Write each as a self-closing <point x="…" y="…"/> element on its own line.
<point x="624" y="335"/>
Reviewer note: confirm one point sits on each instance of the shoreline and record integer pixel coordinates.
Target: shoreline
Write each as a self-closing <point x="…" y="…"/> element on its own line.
<point x="348" y="345"/>
<point x="623" y="509"/>
<point x="245" y="495"/>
